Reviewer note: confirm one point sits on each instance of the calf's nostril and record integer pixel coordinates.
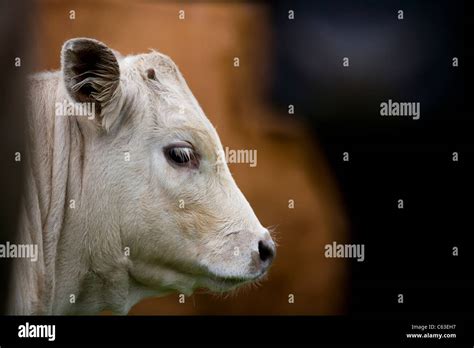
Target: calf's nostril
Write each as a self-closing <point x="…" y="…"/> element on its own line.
<point x="265" y="250"/>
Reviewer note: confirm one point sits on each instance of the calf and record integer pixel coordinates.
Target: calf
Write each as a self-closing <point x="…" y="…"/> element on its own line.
<point x="128" y="193"/>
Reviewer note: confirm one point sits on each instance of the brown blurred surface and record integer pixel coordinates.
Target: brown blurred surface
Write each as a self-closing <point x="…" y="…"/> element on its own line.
<point x="289" y="164"/>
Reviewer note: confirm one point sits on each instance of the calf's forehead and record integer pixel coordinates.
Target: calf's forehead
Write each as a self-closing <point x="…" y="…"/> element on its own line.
<point x="164" y="66"/>
<point x="177" y="114"/>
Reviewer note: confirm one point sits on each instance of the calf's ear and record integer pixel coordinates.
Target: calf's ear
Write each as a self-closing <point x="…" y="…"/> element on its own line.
<point x="91" y="73"/>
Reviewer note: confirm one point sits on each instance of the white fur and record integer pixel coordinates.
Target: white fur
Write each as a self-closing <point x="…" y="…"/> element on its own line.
<point x="133" y="204"/>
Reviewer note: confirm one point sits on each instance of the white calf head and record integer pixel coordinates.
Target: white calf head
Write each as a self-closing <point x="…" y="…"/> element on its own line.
<point x="159" y="165"/>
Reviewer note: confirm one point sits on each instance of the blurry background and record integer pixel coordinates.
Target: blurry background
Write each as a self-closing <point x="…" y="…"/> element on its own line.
<point x="204" y="46"/>
<point x="298" y="62"/>
<point x="15" y="41"/>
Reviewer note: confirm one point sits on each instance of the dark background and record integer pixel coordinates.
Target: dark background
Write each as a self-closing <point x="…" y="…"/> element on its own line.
<point x="15" y="19"/>
<point x="408" y="251"/>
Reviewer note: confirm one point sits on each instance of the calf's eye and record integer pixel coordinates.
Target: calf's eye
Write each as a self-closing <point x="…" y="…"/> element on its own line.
<point x="182" y="155"/>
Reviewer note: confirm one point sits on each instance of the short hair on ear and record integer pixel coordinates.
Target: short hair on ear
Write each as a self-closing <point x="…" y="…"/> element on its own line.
<point x="90" y="69"/>
<point x="91" y="73"/>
